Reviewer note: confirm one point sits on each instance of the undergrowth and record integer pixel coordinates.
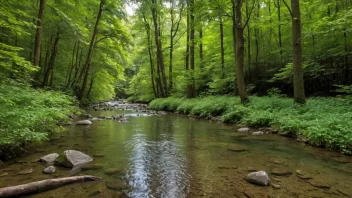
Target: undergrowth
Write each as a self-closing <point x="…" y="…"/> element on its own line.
<point x="322" y="121"/>
<point x="29" y="115"/>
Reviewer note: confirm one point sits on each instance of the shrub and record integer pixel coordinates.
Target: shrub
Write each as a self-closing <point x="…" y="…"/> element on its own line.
<point x="30" y="115"/>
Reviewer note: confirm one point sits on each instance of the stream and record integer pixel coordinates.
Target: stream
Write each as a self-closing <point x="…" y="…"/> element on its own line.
<point x="175" y="156"/>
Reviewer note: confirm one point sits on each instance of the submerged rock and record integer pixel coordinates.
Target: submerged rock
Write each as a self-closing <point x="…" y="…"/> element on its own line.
<point x="243" y="130"/>
<point x="49" y="158"/>
<point x="26" y="171"/>
<point x="260" y="178"/>
<point x="98" y="155"/>
<point x="94" y="193"/>
<point x="318" y="184"/>
<point x="84" y="122"/>
<point x="115" y="185"/>
<point x="280" y="172"/>
<point x="276" y="186"/>
<point x="237" y="149"/>
<point x="49" y="170"/>
<point x="112" y="171"/>
<point x="3" y="174"/>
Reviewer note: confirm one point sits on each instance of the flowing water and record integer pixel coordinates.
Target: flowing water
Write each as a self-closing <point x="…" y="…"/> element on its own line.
<point x="173" y="156"/>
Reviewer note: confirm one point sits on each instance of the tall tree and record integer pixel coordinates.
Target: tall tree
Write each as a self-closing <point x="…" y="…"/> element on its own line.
<point x="158" y="43"/>
<point x="175" y="24"/>
<point x="238" y="40"/>
<point x="191" y="86"/>
<point x="298" y="82"/>
<point x="38" y="35"/>
<point x="90" y="51"/>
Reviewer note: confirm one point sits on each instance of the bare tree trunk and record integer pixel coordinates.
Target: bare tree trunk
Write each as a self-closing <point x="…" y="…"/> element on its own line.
<point x="191" y="87"/>
<point x="187" y="44"/>
<point x="39" y="186"/>
<point x="298" y="82"/>
<point x="239" y="48"/>
<point x="51" y="63"/>
<point x="90" y="86"/>
<point x="147" y="28"/>
<point x="222" y="50"/>
<point x="346" y="70"/>
<point x="70" y="68"/>
<point x="38" y="35"/>
<point x="278" y="6"/>
<point x="248" y="44"/>
<point x="201" y="56"/>
<point x="159" y="52"/>
<point x="90" y="52"/>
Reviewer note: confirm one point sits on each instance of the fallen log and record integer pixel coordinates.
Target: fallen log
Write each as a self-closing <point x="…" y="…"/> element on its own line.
<point x="43" y="185"/>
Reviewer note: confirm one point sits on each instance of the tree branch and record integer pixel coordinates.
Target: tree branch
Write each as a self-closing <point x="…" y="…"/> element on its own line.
<point x="289" y="9"/>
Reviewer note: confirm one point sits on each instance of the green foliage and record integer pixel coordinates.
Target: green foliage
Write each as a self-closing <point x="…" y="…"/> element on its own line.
<point x="30" y="115"/>
<point x="323" y="121"/>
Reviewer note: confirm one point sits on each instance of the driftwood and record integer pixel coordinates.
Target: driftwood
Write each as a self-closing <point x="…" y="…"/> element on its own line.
<point x="38" y="186"/>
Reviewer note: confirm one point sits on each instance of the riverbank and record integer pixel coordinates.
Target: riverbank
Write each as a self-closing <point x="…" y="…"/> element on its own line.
<point x="322" y="122"/>
<point x="30" y="116"/>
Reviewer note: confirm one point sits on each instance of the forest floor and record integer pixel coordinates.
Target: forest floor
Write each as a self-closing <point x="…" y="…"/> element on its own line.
<point x="30" y="115"/>
<point x="323" y="122"/>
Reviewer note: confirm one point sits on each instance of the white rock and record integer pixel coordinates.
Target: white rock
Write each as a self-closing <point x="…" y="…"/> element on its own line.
<point x="260" y="178"/>
<point x="243" y="130"/>
<point x="84" y="122"/>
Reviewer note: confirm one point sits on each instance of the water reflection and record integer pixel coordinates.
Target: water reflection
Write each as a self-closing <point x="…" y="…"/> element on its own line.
<point x="157" y="168"/>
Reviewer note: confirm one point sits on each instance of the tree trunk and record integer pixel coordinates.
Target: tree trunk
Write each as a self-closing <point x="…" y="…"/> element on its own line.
<point x="159" y="52"/>
<point x="51" y="63"/>
<point x="298" y="82"/>
<point x="38" y="35"/>
<point x="201" y="57"/>
<point x="90" y="52"/>
<point x="90" y="86"/>
<point x="191" y="86"/>
<point x="147" y="28"/>
<point x="70" y="68"/>
<point x="346" y="70"/>
<point x="43" y="185"/>
<point x="248" y="44"/>
<point x="278" y="6"/>
<point x="222" y="50"/>
<point x="187" y="44"/>
<point x="239" y="48"/>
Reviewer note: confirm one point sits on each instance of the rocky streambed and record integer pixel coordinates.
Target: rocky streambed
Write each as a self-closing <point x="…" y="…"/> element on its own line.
<point x="142" y="153"/>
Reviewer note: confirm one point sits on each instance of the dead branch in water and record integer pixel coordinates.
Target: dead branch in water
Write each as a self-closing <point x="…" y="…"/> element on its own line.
<point x="43" y="185"/>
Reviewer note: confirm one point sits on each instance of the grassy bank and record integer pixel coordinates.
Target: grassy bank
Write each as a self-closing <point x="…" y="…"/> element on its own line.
<point x="28" y="115"/>
<point x="323" y="121"/>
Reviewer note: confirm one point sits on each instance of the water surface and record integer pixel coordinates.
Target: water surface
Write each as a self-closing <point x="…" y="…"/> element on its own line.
<point x="173" y="156"/>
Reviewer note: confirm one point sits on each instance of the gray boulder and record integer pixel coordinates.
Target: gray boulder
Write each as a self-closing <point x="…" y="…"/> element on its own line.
<point x="260" y="178"/>
<point x="73" y="158"/>
<point x="49" y="158"/>
<point x="243" y="130"/>
<point x="49" y="170"/>
<point x="95" y="119"/>
<point x="84" y="122"/>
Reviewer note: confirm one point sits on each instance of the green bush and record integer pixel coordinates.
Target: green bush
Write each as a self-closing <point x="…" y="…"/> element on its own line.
<point x="323" y="121"/>
<point x="30" y="115"/>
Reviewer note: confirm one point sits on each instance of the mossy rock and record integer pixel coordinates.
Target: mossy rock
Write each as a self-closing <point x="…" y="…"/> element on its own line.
<point x="115" y="184"/>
